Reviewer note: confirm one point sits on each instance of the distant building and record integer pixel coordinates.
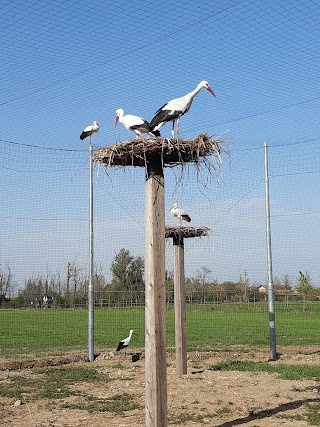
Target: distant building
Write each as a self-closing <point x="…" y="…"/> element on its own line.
<point x="280" y="291"/>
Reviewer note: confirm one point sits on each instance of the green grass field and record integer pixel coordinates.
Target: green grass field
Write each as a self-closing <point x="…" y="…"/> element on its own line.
<point x="53" y="332"/>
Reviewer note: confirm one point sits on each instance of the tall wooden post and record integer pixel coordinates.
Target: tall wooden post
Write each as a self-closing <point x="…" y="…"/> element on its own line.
<point x="154" y="154"/>
<point x="155" y="295"/>
<point x="178" y="234"/>
<point x="179" y="305"/>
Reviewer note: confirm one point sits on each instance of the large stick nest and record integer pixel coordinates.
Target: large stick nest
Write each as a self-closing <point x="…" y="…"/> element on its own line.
<point x="186" y="232"/>
<point x="172" y="152"/>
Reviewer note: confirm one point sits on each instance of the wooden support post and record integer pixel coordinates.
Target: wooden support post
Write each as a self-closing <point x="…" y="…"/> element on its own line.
<point x="179" y="305"/>
<point x="155" y="294"/>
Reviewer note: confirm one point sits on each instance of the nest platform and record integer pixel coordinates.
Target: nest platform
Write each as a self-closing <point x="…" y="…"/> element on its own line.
<point x="170" y="152"/>
<point x="177" y="232"/>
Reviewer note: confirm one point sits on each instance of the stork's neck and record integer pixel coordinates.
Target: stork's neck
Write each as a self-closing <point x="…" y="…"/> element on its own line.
<point x="190" y="97"/>
<point x="195" y="91"/>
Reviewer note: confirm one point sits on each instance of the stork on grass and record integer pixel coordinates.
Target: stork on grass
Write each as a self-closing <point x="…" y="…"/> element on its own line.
<point x="136" y="124"/>
<point x="179" y="213"/>
<point x="174" y="109"/>
<point x="125" y="343"/>
<point x="89" y="130"/>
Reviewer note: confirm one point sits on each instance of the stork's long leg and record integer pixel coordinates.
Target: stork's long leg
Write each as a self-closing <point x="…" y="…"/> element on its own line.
<point x="172" y="130"/>
<point x="177" y="127"/>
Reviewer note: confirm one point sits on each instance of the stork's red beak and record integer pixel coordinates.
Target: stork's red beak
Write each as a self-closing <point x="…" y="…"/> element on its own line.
<point x="117" y="119"/>
<point x="211" y="91"/>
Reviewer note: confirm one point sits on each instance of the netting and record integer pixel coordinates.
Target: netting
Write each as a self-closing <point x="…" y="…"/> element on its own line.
<point x="45" y="237"/>
<point x="66" y="66"/>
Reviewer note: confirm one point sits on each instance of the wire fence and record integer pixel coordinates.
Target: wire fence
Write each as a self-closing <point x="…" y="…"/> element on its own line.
<point x="44" y="210"/>
<point x="245" y="300"/>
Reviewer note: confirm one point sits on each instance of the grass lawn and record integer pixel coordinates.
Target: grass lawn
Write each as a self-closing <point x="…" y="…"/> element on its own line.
<point x="37" y="332"/>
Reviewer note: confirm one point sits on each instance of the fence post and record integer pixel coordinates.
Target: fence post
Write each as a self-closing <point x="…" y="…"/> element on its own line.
<point x="271" y="309"/>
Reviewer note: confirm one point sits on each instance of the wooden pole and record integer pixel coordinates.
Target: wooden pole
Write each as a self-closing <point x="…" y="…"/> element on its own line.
<point x="179" y="305"/>
<point x="91" y="272"/>
<point x="155" y="294"/>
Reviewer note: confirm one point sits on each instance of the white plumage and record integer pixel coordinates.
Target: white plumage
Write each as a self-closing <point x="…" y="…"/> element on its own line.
<point x="179" y="213"/>
<point x="125" y="343"/>
<point x="174" y="109"/>
<point x="136" y="124"/>
<point x="89" y="130"/>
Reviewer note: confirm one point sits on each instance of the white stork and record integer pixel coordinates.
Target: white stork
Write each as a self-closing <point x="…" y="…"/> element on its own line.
<point x="125" y="343"/>
<point x="174" y="109"/>
<point x="89" y="130"/>
<point x="179" y="213"/>
<point x="136" y="124"/>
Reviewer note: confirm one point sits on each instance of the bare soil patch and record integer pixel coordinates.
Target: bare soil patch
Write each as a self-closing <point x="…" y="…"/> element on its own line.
<point x="201" y="397"/>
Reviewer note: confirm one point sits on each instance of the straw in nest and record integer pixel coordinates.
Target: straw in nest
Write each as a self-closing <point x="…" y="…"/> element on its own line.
<point x="171" y="152"/>
<point x="178" y="232"/>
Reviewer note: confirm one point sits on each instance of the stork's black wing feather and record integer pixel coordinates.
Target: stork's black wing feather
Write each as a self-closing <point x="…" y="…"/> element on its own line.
<point x="84" y="135"/>
<point x="163" y="116"/>
<point x="186" y="217"/>
<point x="121" y="346"/>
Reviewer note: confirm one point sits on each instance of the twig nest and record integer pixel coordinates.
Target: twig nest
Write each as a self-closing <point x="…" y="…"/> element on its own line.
<point x="178" y="232"/>
<point x="171" y="152"/>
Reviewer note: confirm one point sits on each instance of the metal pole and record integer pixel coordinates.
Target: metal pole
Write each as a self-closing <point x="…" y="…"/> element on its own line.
<point x="272" y="326"/>
<point x="91" y="287"/>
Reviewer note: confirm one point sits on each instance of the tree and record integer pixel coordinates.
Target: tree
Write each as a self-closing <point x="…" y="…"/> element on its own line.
<point x="203" y="273"/>
<point x="75" y="284"/>
<point x="169" y="286"/>
<point x="135" y="274"/>
<point x="191" y="289"/>
<point x="127" y="275"/>
<point x="33" y="291"/>
<point x="201" y="277"/>
<point x="287" y="288"/>
<point x="5" y="283"/>
<point x="120" y="268"/>
<point x="100" y="287"/>
<point x="244" y="282"/>
<point x="304" y="286"/>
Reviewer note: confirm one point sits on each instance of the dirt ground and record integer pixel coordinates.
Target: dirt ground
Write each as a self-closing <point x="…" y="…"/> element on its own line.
<point x="199" y="398"/>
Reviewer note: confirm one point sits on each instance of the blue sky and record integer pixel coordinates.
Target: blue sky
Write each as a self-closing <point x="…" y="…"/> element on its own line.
<point x="68" y="63"/>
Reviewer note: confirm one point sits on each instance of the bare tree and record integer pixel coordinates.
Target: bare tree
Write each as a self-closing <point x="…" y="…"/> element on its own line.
<point x="244" y="282"/>
<point x="202" y="276"/>
<point x="6" y="283"/>
<point x="73" y="279"/>
<point x="100" y="285"/>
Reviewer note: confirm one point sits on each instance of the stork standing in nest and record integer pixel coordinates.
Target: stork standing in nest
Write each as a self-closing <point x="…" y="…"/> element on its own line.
<point x="136" y="124"/>
<point x="179" y="213"/>
<point x="174" y="109"/>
